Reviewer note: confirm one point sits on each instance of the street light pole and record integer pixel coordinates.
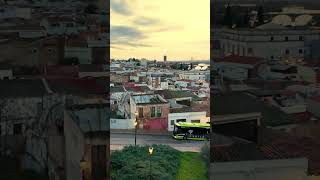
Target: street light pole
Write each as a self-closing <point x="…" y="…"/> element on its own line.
<point x="135" y="128"/>
<point x="135" y="134"/>
<point x="150" y="153"/>
<point x="150" y="167"/>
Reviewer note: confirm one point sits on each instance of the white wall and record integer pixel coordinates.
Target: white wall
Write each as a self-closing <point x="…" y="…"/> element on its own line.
<point x="259" y="41"/>
<point x="233" y="70"/>
<point x="313" y="107"/>
<point x="164" y="85"/>
<point x="122" y="123"/>
<point x="82" y="53"/>
<point x="93" y="74"/>
<point x="74" y="141"/>
<point x="6" y="73"/>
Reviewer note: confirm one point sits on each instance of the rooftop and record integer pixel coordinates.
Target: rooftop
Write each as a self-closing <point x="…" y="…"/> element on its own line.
<point x="116" y="89"/>
<point x="169" y="94"/>
<point x="22" y="88"/>
<point x="76" y="86"/>
<point x="148" y="99"/>
<point x="241" y="103"/>
<point x="138" y="88"/>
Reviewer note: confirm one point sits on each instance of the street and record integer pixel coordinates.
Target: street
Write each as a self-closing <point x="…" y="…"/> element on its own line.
<point x="119" y="140"/>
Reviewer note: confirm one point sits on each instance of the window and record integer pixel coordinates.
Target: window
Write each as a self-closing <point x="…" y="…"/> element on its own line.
<point x="98" y="161"/>
<point x="153" y="111"/>
<point x="181" y="120"/>
<point x="140" y="112"/>
<point x="195" y="121"/>
<point x="286" y="38"/>
<point x="54" y="24"/>
<point x="287" y="51"/>
<point x="39" y="108"/>
<point x="159" y="111"/>
<point x="172" y="122"/>
<point x="17" y="129"/>
<point x="69" y="25"/>
<point x="271" y="38"/>
<point x="300" y="51"/>
<point x="238" y="50"/>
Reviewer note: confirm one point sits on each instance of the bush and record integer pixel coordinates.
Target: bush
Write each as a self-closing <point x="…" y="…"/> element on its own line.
<point x="133" y="162"/>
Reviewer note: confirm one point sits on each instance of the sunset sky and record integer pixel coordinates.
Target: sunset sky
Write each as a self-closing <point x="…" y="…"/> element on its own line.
<point x="151" y="28"/>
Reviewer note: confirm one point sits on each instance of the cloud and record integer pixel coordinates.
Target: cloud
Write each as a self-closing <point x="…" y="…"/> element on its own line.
<point x="128" y="36"/>
<point x="165" y="28"/>
<point x="144" y="21"/>
<point x="120" y="7"/>
<point x="125" y="32"/>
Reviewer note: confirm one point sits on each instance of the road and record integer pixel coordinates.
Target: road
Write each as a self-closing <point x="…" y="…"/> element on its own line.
<point x="119" y="140"/>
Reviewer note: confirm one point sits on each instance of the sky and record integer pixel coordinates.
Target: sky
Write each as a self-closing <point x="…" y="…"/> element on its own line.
<point x="151" y="29"/>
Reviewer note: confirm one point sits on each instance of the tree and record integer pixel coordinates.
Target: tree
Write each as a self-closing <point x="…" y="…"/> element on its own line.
<point x="91" y="9"/>
<point x="260" y="15"/>
<point x="246" y="19"/>
<point x="228" y="16"/>
<point x="36" y="133"/>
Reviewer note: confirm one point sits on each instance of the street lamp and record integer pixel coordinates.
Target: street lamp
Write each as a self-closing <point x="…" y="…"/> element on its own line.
<point x="150" y="153"/>
<point x="135" y="128"/>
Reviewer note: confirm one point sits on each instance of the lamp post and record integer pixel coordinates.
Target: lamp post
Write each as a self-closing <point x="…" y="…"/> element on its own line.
<point x="135" y="128"/>
<point x="83" y="167"/>
<point x="150" y="153"/>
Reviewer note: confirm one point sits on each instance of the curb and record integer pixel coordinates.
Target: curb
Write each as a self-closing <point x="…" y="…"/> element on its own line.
<point x="140" y="133"/>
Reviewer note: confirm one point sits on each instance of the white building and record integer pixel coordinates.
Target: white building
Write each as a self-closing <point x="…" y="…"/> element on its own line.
<point x="313" y="106"/>
<point x="83" y="54"/>
<point x="6" y="74"/>
<point x="193" y="75"/>
<point x="270" y="41"/>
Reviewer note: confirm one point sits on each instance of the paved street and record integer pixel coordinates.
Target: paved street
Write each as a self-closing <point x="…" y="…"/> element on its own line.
<point x="119" y="140"/>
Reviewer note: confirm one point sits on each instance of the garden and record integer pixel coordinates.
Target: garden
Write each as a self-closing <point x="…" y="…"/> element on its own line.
<point x="161" y="162"/>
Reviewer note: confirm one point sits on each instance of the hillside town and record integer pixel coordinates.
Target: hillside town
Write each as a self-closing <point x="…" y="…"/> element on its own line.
<point x="265" y="89"/>
<point x="54" y="89"/>
<point x="158" y="94"/>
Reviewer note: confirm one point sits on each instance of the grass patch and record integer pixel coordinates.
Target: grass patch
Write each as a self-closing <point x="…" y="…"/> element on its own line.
<point x="192" y="167"/>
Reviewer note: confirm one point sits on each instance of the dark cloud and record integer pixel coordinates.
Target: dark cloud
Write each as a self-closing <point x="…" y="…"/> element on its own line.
<point x="126" y="32"/>
<point x="129" y="36"/>
<point x="121" y="7"/>
<point x="145" y="21"/>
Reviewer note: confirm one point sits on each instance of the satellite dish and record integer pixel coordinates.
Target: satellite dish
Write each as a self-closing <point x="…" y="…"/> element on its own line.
<point x="284" y="20"/>
<point x="303" y="20"/>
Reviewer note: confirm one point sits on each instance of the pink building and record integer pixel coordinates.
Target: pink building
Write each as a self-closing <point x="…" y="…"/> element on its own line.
<point x="152" y="111"/>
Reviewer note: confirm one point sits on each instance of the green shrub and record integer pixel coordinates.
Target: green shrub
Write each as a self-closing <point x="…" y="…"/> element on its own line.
<point x="133" y="162"/>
